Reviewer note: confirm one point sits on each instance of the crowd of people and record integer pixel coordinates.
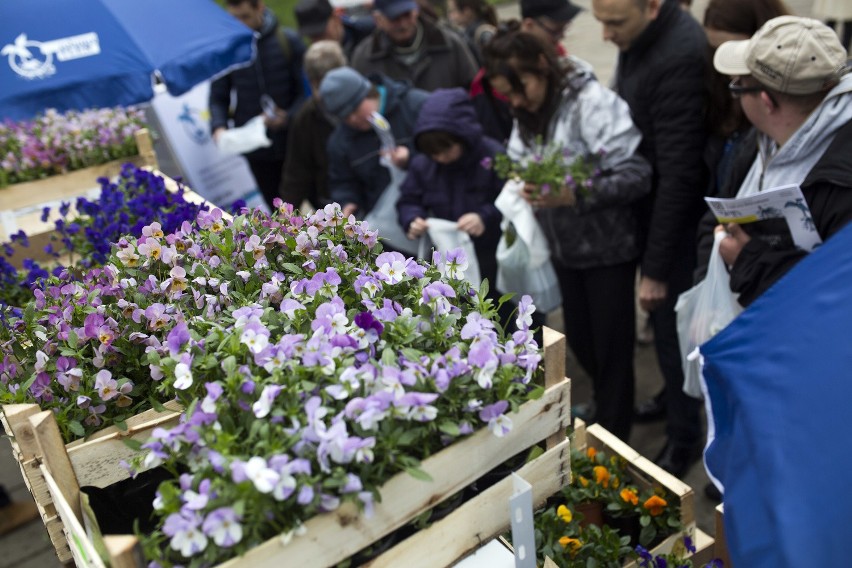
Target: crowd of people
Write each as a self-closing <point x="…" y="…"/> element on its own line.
<point x="747" y="100"/>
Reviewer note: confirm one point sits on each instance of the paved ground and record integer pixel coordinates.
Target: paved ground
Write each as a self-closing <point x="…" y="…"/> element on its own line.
<point x="29" y="547"/>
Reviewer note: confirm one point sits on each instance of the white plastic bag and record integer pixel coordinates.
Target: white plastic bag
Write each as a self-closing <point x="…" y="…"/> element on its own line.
<point x="514" y="274"/>
<point x="383" y="216"/>
<point x="244" y="139"/>
<point x="445" y="236"/>
<point x="703" y="311"/>
<point x="524" y="267"/>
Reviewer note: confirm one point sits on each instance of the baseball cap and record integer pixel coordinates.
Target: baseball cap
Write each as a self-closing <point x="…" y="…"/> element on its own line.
<point x="392" y="9"/>
<point x="312" y="16"/>
<point x="556" y="10"/>
<point x="789" y="54"/>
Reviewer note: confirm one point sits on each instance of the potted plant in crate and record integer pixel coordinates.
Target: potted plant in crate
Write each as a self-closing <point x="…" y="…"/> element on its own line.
<point x="55" y="143"/>
<point x="313" y="366"/>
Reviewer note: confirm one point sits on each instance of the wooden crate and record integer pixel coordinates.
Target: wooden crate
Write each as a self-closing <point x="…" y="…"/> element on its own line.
<point x="95" y="461"/>
<point x="21" y="203"/>
<point x="647" y="475"/>
<point x="721" y="548"/>
<point x="41" y="234"/>
<point x="330" y="537"/>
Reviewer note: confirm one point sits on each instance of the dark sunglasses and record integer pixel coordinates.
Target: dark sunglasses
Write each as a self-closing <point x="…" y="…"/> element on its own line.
<point x="737" y="90"/>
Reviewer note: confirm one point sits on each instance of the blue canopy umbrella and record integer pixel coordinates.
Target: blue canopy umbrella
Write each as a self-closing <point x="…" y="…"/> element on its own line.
<point x="779" y="380"/>
<point x="75" y="54"/>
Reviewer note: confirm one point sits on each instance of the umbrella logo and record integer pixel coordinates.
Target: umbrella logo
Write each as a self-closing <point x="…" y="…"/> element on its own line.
<point x="34" y="59"/>
<point x="195" y="124"/>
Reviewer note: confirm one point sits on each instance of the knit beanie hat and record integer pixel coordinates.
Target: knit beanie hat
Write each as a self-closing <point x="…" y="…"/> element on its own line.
<point x="342" y="90"/>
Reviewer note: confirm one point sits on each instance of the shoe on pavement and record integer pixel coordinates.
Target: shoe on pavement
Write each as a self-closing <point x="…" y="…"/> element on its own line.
<point x="677" y="459"/>
<point x="651" y="410"/>
<point x="17" y="514"/>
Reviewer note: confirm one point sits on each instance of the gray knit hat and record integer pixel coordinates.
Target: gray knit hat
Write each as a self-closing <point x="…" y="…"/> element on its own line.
<point x="342" y="90"/>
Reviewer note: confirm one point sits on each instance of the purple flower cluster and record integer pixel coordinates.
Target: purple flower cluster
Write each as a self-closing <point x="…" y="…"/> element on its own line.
<point x="313" y="367"/>
<point x="55" y="143"/>
<point x="86" y="236"/>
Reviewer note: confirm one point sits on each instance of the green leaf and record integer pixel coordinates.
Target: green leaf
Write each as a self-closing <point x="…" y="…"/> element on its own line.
<point x="120" y="424"/>
<point x="647" y="535"/>
<point x="418" y="473"/>
<point x="536" y="393"/>
<point x="290" y="267"/>
<point x="449" y="428"/>
<point x="76" y="428"/>
<point x="645" y="520"/>
<point x="156" y="405"/>
<point x="407" y="437"/>
<point x="134" y="445"/>
<point x="72" y="339"/>
<point x="535" y="452"/>
<point x="230" y="365"/>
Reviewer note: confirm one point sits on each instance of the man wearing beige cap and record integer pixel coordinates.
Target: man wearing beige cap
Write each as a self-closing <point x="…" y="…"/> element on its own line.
<point x="793" y="84"/>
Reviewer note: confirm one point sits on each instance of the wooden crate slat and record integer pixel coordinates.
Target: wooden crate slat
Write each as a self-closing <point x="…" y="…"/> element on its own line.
<point x="720" y="549"/>
<point x="82" y="549"/>
<point x="480" y="519"/>
<point x="403" y="496"/>
<point x="97" y="461"/>
<point x="124" y="551"/>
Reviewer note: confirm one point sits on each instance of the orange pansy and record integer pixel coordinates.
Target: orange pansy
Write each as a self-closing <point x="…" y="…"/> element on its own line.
<point x="655" y="505"/>
<point x="601" y="475"/>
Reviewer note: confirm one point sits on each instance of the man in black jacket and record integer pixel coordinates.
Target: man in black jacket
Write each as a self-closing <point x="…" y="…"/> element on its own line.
<point x="275" y="77"/>
<point x="660" y="74"/>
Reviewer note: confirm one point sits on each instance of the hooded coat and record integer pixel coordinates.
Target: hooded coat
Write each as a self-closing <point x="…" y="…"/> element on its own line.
<point x="817" y="157"/>
<point x="448" y="191"/>
<point x="355" y="174"/>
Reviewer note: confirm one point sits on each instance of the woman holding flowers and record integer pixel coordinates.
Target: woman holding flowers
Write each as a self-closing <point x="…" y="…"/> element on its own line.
<point x="590" y="224"/>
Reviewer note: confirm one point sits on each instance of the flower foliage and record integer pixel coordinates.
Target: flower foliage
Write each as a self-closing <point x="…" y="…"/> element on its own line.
<point x="55" y="143"/>
<point x="312" y="365"/>
<point x="677" y="558"/>
<point x="84" y="234"/>
<point x="565" y="536"/>
<point x="551" y="168"/>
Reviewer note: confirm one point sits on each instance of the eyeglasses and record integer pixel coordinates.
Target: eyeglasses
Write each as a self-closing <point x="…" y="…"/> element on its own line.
<point x="555" y="32"/>
<point x="737" y="90"/>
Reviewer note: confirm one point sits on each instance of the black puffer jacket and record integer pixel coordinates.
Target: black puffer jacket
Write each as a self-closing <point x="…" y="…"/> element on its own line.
<point x="828" y="190"/>
<point x="276" y="71"/>
<point x="661" y="76"/>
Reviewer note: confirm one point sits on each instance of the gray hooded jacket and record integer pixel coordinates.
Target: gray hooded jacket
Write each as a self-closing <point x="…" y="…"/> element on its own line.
<point x="601" y="229"/>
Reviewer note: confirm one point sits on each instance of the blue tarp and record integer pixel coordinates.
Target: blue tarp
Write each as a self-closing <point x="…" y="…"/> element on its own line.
<point x="780" y="385"/>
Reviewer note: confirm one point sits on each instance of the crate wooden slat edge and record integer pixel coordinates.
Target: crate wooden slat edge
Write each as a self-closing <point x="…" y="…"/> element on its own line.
<point x="480" y="519"/>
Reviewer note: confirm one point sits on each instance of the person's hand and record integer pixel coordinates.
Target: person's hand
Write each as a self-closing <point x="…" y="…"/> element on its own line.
<point x="218" y="134"/>
<point x="417" y="228"/>
<point x="350" y="209"/>
<point x="471" y="223"/>
<point x="399" y="157"/>
<point x="733" y="243"/>
<point x="562" y="197"/>
<point x="652" y="293"/>
<point x="276" y="122"/>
